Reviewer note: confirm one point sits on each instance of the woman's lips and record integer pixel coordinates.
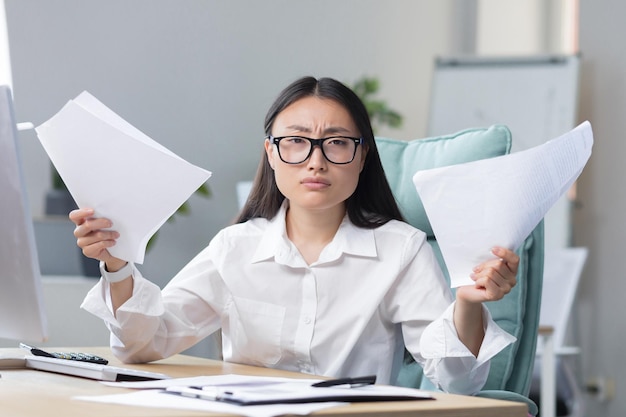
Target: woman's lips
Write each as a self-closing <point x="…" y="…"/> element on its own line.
<point x="315" y="183"/>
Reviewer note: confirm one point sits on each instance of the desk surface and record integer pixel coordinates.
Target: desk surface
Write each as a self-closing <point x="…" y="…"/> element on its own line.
<point x="35" y="393"/>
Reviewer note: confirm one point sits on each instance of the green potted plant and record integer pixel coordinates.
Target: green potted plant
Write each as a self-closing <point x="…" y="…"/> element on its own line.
<point x="184" y="209"/>
<point x="380" y="113"/>
<point x="59" y="201"/>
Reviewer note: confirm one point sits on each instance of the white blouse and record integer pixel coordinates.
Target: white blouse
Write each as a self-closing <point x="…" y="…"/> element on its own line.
<point x="350" y="313"/>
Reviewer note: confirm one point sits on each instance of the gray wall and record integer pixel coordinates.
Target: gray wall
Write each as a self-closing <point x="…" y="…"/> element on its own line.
<point x="599" y="221"/>
<point x="199" y="75"/>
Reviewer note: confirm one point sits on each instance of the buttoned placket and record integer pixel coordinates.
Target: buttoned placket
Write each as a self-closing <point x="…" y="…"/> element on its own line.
<point x="306" y="323"/>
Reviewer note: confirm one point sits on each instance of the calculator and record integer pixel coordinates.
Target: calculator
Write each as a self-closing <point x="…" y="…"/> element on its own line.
<point x="72" y="356"/>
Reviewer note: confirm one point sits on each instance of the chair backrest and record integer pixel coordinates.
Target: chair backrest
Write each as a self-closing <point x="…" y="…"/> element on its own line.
<point x="518" y="312"/>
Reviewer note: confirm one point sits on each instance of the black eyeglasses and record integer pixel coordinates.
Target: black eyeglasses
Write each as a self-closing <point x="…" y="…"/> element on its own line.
<point x="297" y="149"/>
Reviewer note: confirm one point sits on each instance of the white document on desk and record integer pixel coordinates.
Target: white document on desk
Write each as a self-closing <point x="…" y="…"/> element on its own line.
<point x="498" y="201"/>
<point x="158" y="399"/>
<point x="151" y="394"/>
<point x="112" y="167"/>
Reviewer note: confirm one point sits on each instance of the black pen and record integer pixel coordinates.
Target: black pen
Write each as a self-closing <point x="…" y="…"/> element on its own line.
<point x="353" y="382"/>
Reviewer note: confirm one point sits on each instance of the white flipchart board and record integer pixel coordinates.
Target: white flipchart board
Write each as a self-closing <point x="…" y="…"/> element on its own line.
<point x="536" y="97"/>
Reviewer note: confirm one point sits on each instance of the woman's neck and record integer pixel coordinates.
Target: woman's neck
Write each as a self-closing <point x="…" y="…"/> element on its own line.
<point x="311" y="230"/>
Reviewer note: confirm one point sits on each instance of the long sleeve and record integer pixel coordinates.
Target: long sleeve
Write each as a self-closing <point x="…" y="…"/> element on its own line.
<point x="155" y="324"/>
<point x="449" y="364"/>
<point x="421" y="291"/>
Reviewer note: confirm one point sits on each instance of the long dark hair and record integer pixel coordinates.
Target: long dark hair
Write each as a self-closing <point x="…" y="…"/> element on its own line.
<point x="372" y="203"/>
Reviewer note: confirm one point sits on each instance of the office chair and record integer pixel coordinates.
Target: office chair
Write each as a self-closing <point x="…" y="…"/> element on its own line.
<point x="518" y="312"/>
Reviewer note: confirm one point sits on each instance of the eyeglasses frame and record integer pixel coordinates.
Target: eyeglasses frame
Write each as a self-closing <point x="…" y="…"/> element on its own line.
<point x="314" y="142"/>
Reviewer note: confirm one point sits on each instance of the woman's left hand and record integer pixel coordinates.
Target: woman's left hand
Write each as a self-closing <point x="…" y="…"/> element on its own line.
<point x="493" y="279"/>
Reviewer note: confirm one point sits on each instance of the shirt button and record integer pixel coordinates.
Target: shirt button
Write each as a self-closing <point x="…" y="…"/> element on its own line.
<point x="307" y="320"/>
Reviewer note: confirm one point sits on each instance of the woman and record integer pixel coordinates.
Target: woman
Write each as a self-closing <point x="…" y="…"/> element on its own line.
<point x="319" y="275"/>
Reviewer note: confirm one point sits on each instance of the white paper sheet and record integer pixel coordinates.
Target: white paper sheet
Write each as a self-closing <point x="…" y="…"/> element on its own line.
<point x="151" y="395"/>
<point x="111" y="166"/>
<point x="159" y="399"/>
<point x="498" y="201"/>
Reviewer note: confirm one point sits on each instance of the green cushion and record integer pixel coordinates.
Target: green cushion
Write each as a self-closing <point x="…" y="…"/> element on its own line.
<point x="402" y="159"/>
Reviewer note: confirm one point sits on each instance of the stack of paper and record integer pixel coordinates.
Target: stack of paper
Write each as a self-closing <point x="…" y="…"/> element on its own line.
<point x="112" y="167"/>
<point x="498" y="201"/>
<point x="253" y="396"/>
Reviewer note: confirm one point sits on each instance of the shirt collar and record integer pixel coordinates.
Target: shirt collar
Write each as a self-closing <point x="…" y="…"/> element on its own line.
<point x="349" y="239"/>
<point x="274" y="243"/>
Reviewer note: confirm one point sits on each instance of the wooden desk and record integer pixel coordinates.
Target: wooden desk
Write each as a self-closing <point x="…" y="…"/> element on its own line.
<point x="27" y="393"/>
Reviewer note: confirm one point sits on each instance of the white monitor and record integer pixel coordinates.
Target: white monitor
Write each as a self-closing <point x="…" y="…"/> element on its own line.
<point x="22" y="314"/>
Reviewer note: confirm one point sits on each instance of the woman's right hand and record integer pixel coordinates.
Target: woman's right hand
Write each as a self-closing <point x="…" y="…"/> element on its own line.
<point x="93" y="240"/>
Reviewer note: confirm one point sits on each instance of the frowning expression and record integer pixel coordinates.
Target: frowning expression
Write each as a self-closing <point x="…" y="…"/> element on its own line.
<point x="316" y="183"/>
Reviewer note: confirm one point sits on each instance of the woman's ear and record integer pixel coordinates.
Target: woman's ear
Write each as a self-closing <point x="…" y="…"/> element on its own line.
<point x="270" y="151"/>
<point x="364" y="150"/>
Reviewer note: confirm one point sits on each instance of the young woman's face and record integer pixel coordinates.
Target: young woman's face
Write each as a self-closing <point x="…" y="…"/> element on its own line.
<point x="316" y="183"/>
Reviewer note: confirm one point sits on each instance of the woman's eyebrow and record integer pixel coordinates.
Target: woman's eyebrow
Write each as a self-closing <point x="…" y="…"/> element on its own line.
<point x="336" y="129"/>
<point x="299" y="128"/>
<point x="328" y="131"/>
